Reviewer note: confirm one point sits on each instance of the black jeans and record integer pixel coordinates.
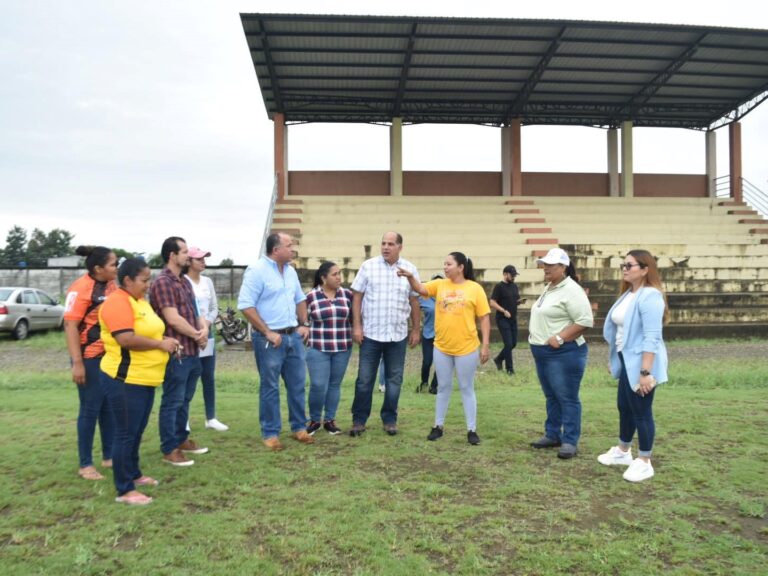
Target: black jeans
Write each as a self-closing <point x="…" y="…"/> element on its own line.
<point x="508" y="329"/>
<point x="427" y="353"/>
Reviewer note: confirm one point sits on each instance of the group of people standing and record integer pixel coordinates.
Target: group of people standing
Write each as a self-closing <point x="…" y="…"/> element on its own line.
<point x="122" y="348"/>
<point x="387" y="292"/>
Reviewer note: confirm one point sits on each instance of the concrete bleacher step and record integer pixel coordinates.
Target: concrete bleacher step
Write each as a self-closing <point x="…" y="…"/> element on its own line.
<point x="712" y="253"/>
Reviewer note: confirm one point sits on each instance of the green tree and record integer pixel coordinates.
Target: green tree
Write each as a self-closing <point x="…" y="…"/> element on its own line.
<point x="226" y="262"/>
<point x="155" y="261"/>
<point x="15" y="248"/>
<point x="42" y="246"/>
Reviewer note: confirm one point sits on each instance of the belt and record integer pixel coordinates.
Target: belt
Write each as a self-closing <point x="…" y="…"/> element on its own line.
<point x="285" y="330"/>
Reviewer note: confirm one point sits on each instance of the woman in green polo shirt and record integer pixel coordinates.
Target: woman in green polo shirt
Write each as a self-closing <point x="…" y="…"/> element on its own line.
<point x="558" y="319"/>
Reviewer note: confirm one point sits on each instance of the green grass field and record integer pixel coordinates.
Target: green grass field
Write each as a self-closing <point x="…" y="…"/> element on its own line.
<point x="399" y="505"/>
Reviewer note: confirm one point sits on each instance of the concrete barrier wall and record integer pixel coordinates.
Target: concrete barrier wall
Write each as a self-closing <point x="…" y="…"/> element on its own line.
<point x="474" y="183"/>
<point x="55" y="281"/>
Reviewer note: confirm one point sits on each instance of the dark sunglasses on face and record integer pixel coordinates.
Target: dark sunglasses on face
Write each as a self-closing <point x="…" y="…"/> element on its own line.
<point x="628" y="266"/>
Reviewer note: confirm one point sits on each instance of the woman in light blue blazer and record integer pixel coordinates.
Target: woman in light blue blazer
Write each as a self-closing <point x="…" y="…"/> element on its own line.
<point x="638" y="360"/>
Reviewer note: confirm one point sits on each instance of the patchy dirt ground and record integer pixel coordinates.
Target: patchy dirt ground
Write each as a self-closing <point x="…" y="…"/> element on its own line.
<point x="21" y="356"/>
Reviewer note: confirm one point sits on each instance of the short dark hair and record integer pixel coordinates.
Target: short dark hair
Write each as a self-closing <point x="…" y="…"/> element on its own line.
<point x="398" y="236"/>
<point x="130" y="268"/>
<point x="273" y="241"/>
<point x="171" y="246"/>
<point x="94" y="256"/>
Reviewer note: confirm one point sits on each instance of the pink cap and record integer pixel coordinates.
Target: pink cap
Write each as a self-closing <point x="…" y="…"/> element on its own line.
<point x="196" y="252"/>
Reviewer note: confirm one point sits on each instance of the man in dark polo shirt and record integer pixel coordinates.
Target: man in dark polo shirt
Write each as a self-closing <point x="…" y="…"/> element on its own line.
<point x="172" y="299"/>
<point x="504" y="300"/>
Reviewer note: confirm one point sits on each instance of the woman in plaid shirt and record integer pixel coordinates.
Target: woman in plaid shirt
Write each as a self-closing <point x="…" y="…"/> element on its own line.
<point x="329" y="308"/>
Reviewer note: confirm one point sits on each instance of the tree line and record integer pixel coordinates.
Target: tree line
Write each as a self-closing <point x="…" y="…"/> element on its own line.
<point x="23" y="250"/>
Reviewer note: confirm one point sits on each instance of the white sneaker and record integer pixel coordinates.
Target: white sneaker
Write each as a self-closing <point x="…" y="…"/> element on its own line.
<point x="216" y="425"/>
<point x="382" y="388"/>
<point x="638" y="471"/>
<point x="616" y="457"/>
<point x="188" y="428"/>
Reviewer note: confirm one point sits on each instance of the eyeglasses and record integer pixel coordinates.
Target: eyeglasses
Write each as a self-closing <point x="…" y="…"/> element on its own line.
<point x="628" y="266"/>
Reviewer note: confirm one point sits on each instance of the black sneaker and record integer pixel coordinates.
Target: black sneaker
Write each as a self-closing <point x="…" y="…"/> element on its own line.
<point x="473" y="438"/>
<point x="313" y="427"/>
<point x="331" y="428"/>
<point x="546" y="442"/>
<point x="435" y="433"/>
<point x="498" y="362"/>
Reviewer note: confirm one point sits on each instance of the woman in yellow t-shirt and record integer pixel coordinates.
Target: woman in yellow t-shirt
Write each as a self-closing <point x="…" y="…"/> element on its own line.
<point x="135" y="356"/>
<point x="460" y="303"/>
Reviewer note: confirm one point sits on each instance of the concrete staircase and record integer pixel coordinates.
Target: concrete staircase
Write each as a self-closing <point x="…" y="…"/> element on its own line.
<point x="713" y="254"/>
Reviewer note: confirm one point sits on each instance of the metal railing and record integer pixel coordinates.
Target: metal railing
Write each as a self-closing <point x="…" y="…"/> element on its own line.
<point x="757" y="199"/>
<point x="270" y="212"/>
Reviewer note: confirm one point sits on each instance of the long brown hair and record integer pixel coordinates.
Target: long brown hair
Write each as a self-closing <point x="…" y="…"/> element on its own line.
<point x="646" y="260"/>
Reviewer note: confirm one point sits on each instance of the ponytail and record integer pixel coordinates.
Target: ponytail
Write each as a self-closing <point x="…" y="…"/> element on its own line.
<point x="462" y="260"/>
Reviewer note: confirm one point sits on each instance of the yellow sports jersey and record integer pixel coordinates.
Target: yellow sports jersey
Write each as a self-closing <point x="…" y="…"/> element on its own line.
<point x="121" y="312"/>
<point x="457" y="308"/>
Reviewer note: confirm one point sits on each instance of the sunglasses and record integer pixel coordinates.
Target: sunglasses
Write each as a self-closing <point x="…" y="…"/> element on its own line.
<point x="628" y="266"/>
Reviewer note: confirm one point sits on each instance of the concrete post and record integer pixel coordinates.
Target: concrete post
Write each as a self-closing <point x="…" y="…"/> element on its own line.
<point x="734" y="135"/>
<point x="506" y="161"/>
<point x="627" y="170"/>
<point x="396" y="157"/>
<point x="281" y="154"/>
<point x="710" y="151"/>
<point x="516" y="155"/>
<point x="613" y="162"/>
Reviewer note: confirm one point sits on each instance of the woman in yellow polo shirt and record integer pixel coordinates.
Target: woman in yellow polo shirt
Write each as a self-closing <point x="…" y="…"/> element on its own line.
<point x="460" y="303"/>
<point x="136" y="354"/>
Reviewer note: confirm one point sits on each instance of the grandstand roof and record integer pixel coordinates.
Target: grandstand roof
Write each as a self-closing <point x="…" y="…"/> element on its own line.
<point x="329" y="68"/>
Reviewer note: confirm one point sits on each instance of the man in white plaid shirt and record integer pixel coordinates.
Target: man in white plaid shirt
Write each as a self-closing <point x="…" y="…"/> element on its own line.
<point x="382" y="301"/>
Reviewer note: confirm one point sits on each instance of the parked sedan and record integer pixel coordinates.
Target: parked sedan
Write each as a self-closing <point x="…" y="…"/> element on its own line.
<point x="23" y="310"/>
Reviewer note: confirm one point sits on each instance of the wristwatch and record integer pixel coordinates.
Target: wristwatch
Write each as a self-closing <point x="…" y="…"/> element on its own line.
<point x="560" y="341"/>
<point x="644" y="373"/>
<point x="306" y="324"/>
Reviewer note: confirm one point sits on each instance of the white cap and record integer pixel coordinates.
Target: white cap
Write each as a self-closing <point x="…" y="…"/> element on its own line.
<point x="555" y="256"/>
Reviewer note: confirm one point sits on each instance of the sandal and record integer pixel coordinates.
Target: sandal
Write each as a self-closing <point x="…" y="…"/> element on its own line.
<point x="146" y="481"/>
<point x="134" y="498"/>
<point x="90" y="473"/>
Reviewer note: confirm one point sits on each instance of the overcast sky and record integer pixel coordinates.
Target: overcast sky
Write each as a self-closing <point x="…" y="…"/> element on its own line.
<point x="126" y="122"/>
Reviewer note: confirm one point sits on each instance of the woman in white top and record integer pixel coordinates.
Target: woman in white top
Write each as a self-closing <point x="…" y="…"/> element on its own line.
<point x="558" y="319"/>
<point x="208" y="308"/>
<point x="638" y="360"/>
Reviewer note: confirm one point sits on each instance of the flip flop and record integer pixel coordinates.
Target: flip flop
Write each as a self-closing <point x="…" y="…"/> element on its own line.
<point x="146" y="481"/>
<point x="90" y="473"/>
<point x="137" y="499"/>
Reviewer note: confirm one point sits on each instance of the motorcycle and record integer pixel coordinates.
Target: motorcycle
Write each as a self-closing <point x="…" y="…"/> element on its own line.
<point x="230" y="326"/>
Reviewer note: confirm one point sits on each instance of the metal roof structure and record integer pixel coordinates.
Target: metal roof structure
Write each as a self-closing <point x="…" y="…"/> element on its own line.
<point x="329" y="68"/>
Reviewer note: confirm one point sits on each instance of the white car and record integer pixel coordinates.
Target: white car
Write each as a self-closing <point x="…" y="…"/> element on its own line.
<point x="23" y="310"/>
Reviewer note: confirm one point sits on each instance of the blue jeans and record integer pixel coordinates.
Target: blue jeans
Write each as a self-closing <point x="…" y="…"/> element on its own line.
<point x="635" y="413"/>
<point x="560" y="371"/>
<point x="93" y="408"/>
<point x="178" y="389"/>
<point x="289" y="361"/>
<point x="326" y="371"/>
<point x="371" y="353"/>
<point x="131" y="405"/>
<point x="508" y="330"/>
<point x="208" y="367"/>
